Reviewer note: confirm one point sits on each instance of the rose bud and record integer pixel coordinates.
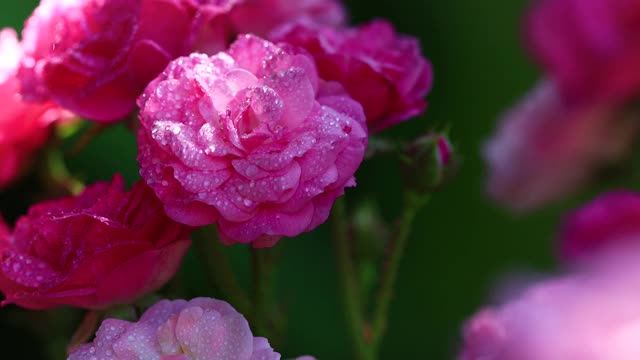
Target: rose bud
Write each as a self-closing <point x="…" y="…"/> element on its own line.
<point x="381" y="69"/>
<point x="427" y="163"/>
<point x="95" y="57"/>
<point x="202" y="329"/>
<point x="260" y="17"/>
<point x="545" y="150"/>
<point x="106" y="246"/>
<point x="589" y="47"/>
<point x="251" y="139"/>
<point x="592" y="313"/>
<point x="24" y="127"/>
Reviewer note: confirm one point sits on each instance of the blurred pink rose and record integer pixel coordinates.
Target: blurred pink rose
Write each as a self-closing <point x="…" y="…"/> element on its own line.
<point x="544" y="150"/>
<point x="589" y="315"/>
<point x="385" y="71"/>
<point x="250" y="139"/>
<point x="24" y="127"/>
<point x="95" y="57"/>
<point x="200" y="329"/>
<point x="260" y="17"/>
<point x="102" y="247"/>
<point x="608" y="223"/>
<point x="591" y="48"/>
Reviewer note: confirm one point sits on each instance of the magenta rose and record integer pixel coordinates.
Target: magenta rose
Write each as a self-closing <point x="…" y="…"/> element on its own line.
<point x="260" y="17"/>
<point x="544" y="150"/>
<point x="385" y="71"/>
<point x="103" y="247"/>
<point x="590" y="314"/>
<point x="199" y="329"/>
<point x="611" y="222"/>
<point x="590" y="48"/>
<point x="95" y="57"/>
<point x="24" y="127"/>
<point x="250" y="139"/>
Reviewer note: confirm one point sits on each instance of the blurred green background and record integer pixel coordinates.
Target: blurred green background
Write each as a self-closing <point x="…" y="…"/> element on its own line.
<point x="462" y="243"/>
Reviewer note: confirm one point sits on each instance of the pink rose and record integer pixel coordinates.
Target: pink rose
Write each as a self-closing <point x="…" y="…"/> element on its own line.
<point x="592" y="314"/>
<point x="260" y="17"/>
<point x="381" y="69"/>
<point x="24" y="127"/>
<point x="95" y="57"/>
<point x="200" y="329"/>
<point x="250" y="139"/>
<point x="589" y="47"/>
<point x="103" y="247"/>
<point x="608" y="223"/>
<point x="544" y="150"/>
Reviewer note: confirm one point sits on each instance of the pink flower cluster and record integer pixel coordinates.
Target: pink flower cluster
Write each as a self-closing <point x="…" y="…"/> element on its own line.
<point x="579" y="120"/>
<point x="200" y="329"/>
<point x="95" y="57"/>
<point x="591" y="313"/>
<point x="103" y="247"/>
<point x="589" y="50"/>
<point x="254" y="115"/>
<point x="259" y="141"/>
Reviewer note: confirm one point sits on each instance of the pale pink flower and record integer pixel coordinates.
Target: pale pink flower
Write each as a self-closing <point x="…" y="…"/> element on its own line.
<point x="383" y="70"/>
<point x="592" y="314"/>
<point x="95" y="57"/>
<point x="24" y="127"/>
<point x="544" y="150"/>
<point x="200" y="329"/>
<point x="250" y="139"/>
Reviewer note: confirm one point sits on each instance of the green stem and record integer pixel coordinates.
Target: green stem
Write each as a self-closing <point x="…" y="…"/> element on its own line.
<point x="347" y="276"/>
<point x="262" y="281"/>
<point x="87" y="137"/>
<point x="268" y="318"/>
<point x="219" y="271"/>
<point x="395" y="249"/>
<point x="58" y="174"/>
<point x="86" y="329"/>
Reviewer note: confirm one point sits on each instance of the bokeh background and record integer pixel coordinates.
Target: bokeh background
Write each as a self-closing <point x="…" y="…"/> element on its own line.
<point x="462" y="245"/>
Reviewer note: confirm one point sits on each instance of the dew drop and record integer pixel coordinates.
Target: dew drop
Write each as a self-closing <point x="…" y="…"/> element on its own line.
<point x="252" y="170"/>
